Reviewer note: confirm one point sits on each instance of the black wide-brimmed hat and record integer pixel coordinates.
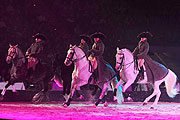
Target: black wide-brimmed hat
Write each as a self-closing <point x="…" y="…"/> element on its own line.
<point x="145" y="35"/>
<point x="39" y="36"/>
<point x="86" y="38"/>
<point x="13" y="42"/>
<point x="98" y="35"/>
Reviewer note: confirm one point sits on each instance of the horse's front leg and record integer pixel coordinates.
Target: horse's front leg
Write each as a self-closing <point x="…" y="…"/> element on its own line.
<point x="10" y="82"/>
<point x="128" y="83"/>
<point x="102" y="94"/>
<point x="68" y="101"/>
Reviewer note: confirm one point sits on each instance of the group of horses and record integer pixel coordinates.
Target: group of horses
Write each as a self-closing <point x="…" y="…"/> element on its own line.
<point x="81" y="74"/>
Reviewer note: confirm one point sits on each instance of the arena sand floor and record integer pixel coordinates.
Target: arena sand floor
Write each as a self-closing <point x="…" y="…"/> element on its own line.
<point x="86" y="111"/>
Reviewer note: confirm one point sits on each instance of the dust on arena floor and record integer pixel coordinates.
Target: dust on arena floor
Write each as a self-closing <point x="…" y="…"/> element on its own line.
<point x="86" y="111"/>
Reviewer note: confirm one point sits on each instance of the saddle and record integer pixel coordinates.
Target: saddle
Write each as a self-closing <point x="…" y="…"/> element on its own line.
<point x="93" y="62"/>
<point x="32" y="62"/>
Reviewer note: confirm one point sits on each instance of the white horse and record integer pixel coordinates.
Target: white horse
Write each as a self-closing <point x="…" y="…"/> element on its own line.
<point x="128" y="73"/>
<point x="82" y="73"/>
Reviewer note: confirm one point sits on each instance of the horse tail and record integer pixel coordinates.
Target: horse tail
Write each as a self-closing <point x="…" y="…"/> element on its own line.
<point x="170" y="83"/>
<point x="119" y="94"/>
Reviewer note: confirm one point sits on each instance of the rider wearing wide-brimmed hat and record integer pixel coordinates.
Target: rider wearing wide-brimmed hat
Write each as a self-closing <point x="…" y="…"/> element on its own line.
<point x="96" y="55"/>
<point x="141" y="54"/>
<point x="34" y="52"/>
<point x="85" y="43"/>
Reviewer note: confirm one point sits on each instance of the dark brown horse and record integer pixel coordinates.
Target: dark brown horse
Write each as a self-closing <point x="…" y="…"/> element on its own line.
<point x="19" y="73"/>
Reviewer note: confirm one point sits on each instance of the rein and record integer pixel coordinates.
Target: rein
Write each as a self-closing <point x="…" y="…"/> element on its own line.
<point x="76" y="60"/>
<point x="128" y="64"/>
<point x="121" y="63"/>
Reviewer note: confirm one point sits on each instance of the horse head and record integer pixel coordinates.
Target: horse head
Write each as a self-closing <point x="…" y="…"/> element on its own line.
<point x="124" y="58"/>
<point x="74" y="54"/>
<point x="119" y="59"/>
<point x="12" y="53"/>
<point x="70" y="55"/>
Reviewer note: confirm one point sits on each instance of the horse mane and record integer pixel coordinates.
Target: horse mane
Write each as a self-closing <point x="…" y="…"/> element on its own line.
<point x="20" y="54"/>
<point x="74" y="47"/>
<point x="128" y="52"/>
<point x="125" y="49"/>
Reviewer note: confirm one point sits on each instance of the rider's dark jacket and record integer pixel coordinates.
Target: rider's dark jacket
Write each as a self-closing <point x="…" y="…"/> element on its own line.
<point x="36" y="50"/>
<point x="155" y="71"/>
<point x="105" y="71"/>
<point x="84" y="47"/>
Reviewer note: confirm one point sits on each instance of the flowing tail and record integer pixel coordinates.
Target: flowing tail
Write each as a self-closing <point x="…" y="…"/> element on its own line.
<point x="119" y="94"/>
<point x="170" y="83"/>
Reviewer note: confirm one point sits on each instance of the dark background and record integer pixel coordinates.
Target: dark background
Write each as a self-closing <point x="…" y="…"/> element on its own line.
<point x="62" y="21"/>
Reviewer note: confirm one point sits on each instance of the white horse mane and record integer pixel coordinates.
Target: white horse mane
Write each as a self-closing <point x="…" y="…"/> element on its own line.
<point x="76" y="47"/>
<point x="124" y="50"/>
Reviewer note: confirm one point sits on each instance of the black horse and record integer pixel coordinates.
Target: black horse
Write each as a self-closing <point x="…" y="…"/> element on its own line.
<point x="19" y="73"/>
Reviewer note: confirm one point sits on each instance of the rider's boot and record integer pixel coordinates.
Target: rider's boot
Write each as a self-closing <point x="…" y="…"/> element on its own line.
<point x="95" y="90"/>
<point x="141" y="72"/>
<point x="3" y="91"/>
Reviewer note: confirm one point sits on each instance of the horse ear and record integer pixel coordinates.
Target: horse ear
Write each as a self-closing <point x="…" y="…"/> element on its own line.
<point x="10" y="46"/>
<point x="70" y="46"/>
<point x="16" y="46"/>
<point x="117" y="48"/>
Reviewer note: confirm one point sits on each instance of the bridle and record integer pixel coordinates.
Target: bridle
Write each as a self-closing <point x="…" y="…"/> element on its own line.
<point x="13" y="53"/>
<point x="122" y="66"/>
<point x="74" y="53"/>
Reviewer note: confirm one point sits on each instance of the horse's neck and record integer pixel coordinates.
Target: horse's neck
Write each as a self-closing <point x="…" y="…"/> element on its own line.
<point x="129" y="61"/>
<point x="20" y="57"/>
<point x="129" y="70"/>
<point x="128" y="57"/>
<point x="82" y="59"/>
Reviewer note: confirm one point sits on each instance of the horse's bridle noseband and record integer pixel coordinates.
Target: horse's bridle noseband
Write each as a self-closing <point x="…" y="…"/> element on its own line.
<point x="121" y="63"/>
<point x="13" y="53"/>
<point x="71" y="58"/>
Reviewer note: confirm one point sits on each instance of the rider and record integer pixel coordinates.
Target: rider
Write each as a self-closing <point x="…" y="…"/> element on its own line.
<point x="96" y="54"/>
<point x="34" y="52"/>
<point x="103" y="71"/>
<point x="85" y="43"/>
<point x="141" y="51"/>
<point x="154" y="70"/>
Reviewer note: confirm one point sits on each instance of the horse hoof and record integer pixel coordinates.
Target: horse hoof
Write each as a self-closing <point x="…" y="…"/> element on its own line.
<point x="65" y="105"/>
<point x="105" y="104"/>
<point x="144" y="103"/>
<point x="81" y="97"/>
